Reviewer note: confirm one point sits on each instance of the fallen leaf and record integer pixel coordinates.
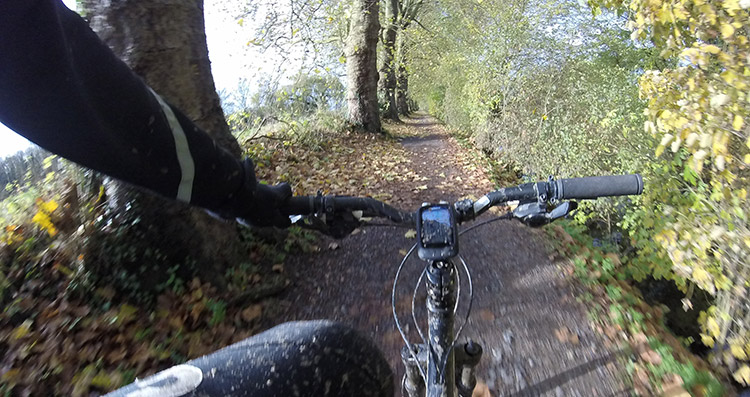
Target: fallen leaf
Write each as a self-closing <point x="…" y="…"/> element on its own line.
<point x="743" y="375"/>
<point x="411" y="234"/>
<point x="11" y="376"/>
<point x="126" y="314"/>
<point x="116" y="356"/>
<point x="251" y="313"/>
<point x="486" y="315"/>
<point x="333" y="246"/>
<point x="107" y="293"/>
<point x="561" y="334"/>
<point x="23" y="329"/>
<point x="651" y="357"/>
<point x="278" y="268"/>
<point x="675" y="391"/>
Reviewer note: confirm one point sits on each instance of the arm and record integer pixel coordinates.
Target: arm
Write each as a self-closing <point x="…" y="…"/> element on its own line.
<point x="65" y="90"/>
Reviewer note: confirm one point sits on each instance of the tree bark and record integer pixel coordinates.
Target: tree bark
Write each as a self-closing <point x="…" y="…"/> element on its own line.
<point x="164" y="42"/>
<point x="388" y="68"/>
<point x="361" y="65"/>
<point x="402" y="78"/>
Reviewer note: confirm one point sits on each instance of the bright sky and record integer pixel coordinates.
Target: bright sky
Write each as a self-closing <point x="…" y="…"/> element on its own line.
<point x="231" y="58"/>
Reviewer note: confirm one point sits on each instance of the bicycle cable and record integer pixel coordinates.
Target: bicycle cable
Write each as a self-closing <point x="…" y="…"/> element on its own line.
<point x="505" y="216"/>
<point x="413" y="305"/>
<point x="395" y="315"/>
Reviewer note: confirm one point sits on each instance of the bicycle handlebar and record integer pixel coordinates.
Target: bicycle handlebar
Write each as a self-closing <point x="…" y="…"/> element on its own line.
<point x="598" y="186"/>
<point x="552" y="190"/>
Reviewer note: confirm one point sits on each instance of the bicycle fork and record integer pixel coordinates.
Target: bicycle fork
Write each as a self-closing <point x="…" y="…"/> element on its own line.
<point x="440" y="356"/>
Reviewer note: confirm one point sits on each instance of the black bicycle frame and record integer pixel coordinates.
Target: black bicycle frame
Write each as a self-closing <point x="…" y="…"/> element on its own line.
<point x="440" y="356"/>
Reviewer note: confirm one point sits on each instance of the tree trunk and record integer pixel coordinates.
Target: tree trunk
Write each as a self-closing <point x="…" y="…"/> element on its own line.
<point x="388" y="70"/>
<point x="402" y="78"/>
<point x="164" y="42"/>
<point x="361" y="65"/>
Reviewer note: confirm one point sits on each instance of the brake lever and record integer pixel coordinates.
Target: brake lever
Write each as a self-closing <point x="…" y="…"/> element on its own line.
<point x="535" y="214"/>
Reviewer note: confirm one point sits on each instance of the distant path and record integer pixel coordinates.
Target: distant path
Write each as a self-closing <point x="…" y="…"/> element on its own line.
<point x="522" y="302"/>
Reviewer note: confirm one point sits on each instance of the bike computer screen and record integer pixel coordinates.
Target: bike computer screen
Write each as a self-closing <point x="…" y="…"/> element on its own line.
<point x="437" y="232"/>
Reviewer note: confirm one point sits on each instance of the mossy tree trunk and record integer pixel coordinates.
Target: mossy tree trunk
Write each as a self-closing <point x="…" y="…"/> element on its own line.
<point x="387" y="82"/>
<point x="361" y="65"/>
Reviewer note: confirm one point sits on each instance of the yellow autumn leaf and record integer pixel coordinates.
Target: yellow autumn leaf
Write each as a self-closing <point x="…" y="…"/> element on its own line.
<point x="738" y="122"/>
<point x="44" y="221"/>
<point x="738" y="351"/>
<point x="707" y="340"/>
<point x="22" y="330"/>
<point x="731" y="5"/>
<point x="747" y="159"/>
<point x="713" y="327"/>
<point x="729" y="76"/>
<point x="700" y="275"/>
<point x="743" y="375"/>
<point x="126" y="313"/>
<point x="727" y="30"/>
<point x="103" y="380"/>
<point x="711" y="49"/>
<point x="680" y="122"/>
<point x="48" y="206"/>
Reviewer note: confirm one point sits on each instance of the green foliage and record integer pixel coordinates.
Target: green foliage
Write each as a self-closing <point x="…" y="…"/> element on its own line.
<point x="539" y="85"/>
<point x="691" y="376"/>
<point x="218" y="310"/>
<point x="617" y="304"/>
<point x="697" y="107"/>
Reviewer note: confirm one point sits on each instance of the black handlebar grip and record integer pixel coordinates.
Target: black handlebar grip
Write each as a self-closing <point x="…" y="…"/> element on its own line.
<point x="299" y="205"/>
<point x="599" y="186"/>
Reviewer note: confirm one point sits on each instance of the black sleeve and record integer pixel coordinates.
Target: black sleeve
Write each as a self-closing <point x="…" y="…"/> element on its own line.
<point x="65" y="90"/>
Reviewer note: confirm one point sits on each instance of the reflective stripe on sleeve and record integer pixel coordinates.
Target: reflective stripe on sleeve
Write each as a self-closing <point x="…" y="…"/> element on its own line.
<point x="184" y="158"/>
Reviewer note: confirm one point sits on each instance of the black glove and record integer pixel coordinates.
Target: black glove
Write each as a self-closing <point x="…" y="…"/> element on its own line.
<point x="257" y="204"/>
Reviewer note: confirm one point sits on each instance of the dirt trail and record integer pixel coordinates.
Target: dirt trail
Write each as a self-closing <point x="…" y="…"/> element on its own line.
<point x="522" y="307"/>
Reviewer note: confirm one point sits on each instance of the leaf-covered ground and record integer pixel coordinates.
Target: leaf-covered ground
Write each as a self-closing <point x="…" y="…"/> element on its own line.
<point x="57" y="342"/>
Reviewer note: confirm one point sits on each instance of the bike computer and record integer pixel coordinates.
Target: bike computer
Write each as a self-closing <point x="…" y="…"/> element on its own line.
<point x="437" y="233"/>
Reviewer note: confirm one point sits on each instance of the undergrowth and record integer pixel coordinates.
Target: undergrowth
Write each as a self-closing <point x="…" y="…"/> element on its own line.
<point x="657" y="361"/>
<point x="65" y="330"/>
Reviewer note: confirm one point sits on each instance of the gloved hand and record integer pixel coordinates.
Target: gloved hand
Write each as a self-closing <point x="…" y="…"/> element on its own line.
<point x="257" y="204"/>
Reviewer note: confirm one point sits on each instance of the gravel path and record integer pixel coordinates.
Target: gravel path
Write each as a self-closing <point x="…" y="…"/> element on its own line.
<point x="537" y="339"/>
